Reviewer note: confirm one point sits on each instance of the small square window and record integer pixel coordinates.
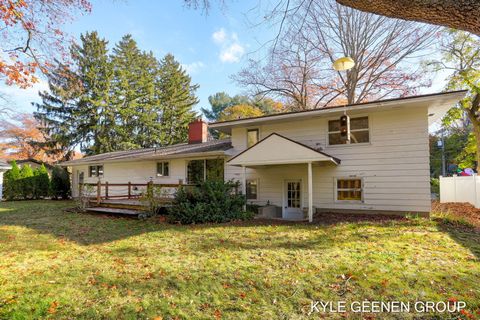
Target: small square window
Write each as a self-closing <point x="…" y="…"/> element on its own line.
<point x="252" y="189"/>
<point x="349" y="189"/>
<point x="163" y="169"/>
<point x="252" y="137"/>
<point x="95" y="171"/>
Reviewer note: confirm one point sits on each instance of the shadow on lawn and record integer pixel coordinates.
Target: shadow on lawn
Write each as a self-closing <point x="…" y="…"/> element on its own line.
<point x="51" y="218"/>
<point x="466" y="236"/>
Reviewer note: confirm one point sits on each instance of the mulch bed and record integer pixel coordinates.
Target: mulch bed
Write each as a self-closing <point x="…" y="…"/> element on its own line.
<point x="460" y="209"/>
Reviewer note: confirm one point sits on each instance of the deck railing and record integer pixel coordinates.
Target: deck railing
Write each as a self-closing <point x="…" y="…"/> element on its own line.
<point x="105" y="190"/>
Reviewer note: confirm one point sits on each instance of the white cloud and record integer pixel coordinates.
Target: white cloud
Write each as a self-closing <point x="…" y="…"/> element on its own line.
<point x="231" y="50"/>
<point x="232" y="53"/>
<point x="193" y="67"/>
<point x="219" y="36"/>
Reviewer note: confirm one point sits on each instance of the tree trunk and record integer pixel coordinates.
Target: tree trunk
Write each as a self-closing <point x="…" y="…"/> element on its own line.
<point x="476" y="131"/>
<point x="457" y="14"/>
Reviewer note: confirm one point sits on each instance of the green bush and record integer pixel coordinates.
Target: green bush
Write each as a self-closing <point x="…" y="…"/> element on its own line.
<point x="435" y="185"/>
<point x="41" y="182"/>
<point x="60" y="184"/>
<point x="210" y="201"/>
<point x="11" y="190"/>
<point x="26" y="182"/>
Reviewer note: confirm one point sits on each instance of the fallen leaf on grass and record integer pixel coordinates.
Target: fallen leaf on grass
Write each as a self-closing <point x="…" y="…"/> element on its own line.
<point x="53" y="307"/>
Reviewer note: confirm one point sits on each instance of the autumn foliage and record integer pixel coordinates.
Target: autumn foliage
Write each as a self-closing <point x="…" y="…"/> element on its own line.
<point x="31" y="36"/>
<point x="19" y="140"/>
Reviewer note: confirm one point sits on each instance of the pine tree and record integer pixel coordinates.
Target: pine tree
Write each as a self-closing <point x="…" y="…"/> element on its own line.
<point x="133" y="93"/>
<point x="77" y="110"/>
<point x="11" y="181"/>
<point x="116" y="102"/>
<point x="176" y="96"/>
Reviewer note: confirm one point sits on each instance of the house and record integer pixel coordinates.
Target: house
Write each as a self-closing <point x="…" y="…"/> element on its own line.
<point x="4" y="166"/>
<point x="298" y="162"/>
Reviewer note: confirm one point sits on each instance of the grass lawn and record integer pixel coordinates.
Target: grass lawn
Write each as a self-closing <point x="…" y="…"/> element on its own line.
<point x="56" y="264"/>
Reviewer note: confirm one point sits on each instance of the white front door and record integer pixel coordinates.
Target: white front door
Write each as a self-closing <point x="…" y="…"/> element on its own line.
<point x="292" y="200"/>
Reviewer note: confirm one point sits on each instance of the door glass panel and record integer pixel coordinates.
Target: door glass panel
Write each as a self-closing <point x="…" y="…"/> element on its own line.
<point x="293" y="194"/>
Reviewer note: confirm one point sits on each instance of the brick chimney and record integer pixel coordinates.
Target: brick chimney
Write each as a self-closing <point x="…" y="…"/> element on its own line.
<point x="197" y="131"/>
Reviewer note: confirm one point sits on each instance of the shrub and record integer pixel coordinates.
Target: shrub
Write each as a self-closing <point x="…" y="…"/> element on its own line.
<point x="60" y="184"/>
<point x="435" y="185"/>
<point x="41" y="182"/>
<point x="211" y="201"/>
<point x="11" y="182"/>
<point x="27" y="184"/>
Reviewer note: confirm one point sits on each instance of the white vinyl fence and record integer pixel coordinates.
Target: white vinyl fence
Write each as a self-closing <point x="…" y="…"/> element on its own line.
<point x="460" y="189"/>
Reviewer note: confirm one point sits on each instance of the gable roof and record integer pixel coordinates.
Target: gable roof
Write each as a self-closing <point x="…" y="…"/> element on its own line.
<point x="182" y="149"/>
<point x="277" y="149"/>
<point x="438" y="102"/>
<point x="48" y="166"/>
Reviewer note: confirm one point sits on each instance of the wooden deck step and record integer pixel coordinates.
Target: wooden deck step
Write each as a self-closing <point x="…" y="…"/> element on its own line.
<point x="114" y="210"/>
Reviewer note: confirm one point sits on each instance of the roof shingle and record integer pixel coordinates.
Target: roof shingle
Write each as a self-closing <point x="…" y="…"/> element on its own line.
<point x="153" y="153"/>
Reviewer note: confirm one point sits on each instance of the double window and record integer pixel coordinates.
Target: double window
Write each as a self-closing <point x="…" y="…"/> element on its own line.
<point x="253" y="136"/>
<point x="205" y="169"/>
<point x="95" y="171"/>
<point x="359" y="131"/>
<point x="163" y="169"/>
<point x="350" y="189"/>
<point x="252" y="189"/>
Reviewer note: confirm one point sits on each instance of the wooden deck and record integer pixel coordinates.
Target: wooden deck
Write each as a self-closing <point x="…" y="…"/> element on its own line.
<point x="124" y="198"/>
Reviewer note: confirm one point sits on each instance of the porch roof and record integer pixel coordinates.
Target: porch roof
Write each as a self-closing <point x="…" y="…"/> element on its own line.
<point x="276" y="149"/>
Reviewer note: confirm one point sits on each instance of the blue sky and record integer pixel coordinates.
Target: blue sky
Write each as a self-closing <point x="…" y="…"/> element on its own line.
<point x="211" y="47"/>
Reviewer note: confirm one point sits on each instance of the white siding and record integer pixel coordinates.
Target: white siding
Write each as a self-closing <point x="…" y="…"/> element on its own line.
<point x="394" y="166"/>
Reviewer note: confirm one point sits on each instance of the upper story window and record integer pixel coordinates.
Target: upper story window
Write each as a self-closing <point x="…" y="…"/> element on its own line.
<point x="359" y="131"/>
<point x="252" y="137"/>
<point x="95" y="171"/>
<point x="163" y="169"/>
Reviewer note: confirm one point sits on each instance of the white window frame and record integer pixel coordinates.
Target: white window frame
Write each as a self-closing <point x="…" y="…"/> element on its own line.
<point x="335" y="188"/>
<point x="162" y="175"/>
<point x="258" y="188"/>
<point x="246" y="136"/>
<point x="97" y="174"/>
<point x="354" y="130"/>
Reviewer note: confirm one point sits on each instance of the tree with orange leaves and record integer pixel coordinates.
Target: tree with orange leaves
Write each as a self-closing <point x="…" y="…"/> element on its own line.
<point x="31" y="36"/>
<point x="20" y="137"/>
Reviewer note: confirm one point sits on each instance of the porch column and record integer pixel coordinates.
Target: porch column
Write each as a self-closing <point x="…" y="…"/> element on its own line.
<point x="310" y="193"/>
<point x="244" y="186"/>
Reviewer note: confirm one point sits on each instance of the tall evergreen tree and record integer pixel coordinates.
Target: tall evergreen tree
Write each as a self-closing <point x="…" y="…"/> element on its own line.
<point x="176" y="95"/>
<point x="115" y="102"/>
<point x="77" y="110"/>
<point x="132" y="92"/>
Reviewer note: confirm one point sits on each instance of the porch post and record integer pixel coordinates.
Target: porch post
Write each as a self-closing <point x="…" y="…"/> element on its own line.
<point x="310" y="193"/>
<point x="244" y="186"/>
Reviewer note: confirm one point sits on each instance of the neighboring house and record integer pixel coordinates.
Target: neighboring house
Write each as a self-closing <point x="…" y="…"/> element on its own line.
<point x="297" y="161"/>
<point x="4" y="166"/>
<point x="34" y="164"/>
